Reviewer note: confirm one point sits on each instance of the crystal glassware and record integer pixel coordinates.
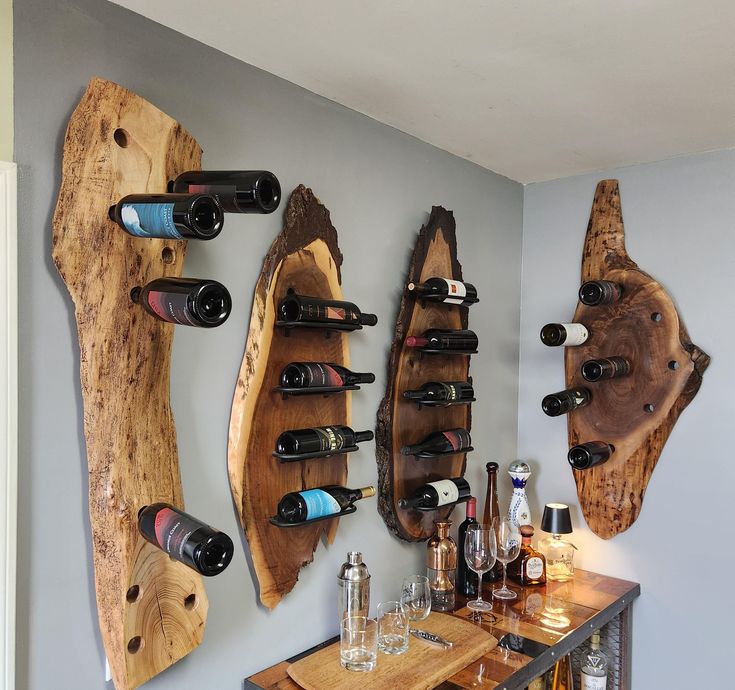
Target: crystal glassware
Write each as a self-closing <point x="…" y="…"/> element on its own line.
<point x="416" y="597"/>
<point x="392" y="627"/>
<point x="358" y="643"/>
<point x="479" y="553"/>
<point x="508" y="547"/>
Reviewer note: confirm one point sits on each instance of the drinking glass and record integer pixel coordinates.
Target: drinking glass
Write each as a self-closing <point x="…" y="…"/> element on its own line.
<point x="479" y="552"/>
<point x="392" y="628"/>
<point x="509" y="545"/>
<point x="358" y="643"/>
<point x="416" y="597"/>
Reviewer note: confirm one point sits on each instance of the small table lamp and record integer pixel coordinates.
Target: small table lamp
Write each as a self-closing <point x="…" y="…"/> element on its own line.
<point x="559" y="552"/>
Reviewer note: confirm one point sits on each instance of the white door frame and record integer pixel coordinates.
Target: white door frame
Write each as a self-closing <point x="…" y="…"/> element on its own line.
<point x="8" y="417"/>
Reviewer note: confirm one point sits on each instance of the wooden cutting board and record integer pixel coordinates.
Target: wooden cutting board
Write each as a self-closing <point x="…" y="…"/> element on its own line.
<point x="422" y="667"/>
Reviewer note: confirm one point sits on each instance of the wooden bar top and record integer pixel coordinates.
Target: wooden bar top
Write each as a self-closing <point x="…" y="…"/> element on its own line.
<point x="559" y="614"/>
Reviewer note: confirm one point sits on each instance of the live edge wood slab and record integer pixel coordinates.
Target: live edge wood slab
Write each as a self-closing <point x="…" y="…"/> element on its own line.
<point x="306" y="257"/>
<point x="152" y="610"/>
<point x="400" y="421"/>
<point x="635" y="413"/>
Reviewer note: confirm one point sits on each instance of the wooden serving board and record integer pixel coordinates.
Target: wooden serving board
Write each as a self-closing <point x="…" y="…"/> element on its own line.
<point x="422" y="667"/>
<point x="635" y="413"/>
<point x="400" y="421"/>
<point x="305" y="256"/>
<point x="152" y="610"/>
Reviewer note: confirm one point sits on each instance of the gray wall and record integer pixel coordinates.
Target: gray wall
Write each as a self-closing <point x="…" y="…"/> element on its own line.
<point x="379" y="185"/>
<point x="679" y="228"/>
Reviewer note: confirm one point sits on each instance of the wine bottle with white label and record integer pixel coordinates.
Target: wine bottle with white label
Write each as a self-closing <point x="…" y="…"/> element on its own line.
<point x="589" y="454"/>
<point x="447" y="441"/>
<point x="445" y="290"/>
<point x="186" y="539"/>
<point x="461" y="341"/>
<point x="567" y="334"/>
<point x="441" y="392"/>
<point x="437" y="494"/>
<point x="323" y="501"/>
<point x="321" y="375"/>
<point x="169" y="216"/>
<point x="294" y="308"/>
<point x="605" y="368"/>
<point x="185" y="301"/>
<point x="563" y="402"/>
<point x="237" y="191"/>
<point x="595" y="292"/>
<point x="319" y="439"/>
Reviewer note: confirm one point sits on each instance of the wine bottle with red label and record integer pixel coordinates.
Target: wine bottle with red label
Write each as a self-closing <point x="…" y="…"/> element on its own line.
<point x="437" y="494"/>
<point x="442" y="392"/>
<point x="445" y="290"/>
<point x="441" y="442"/>
<point x="237" y="191"/>
<point x="300" y="308"/>
<point x="435" y="339"/>
<point x="320" y="439"/>
<point x="301" y="506"/>
<point x="321" y="375"/>
<point x="186" y="539"/>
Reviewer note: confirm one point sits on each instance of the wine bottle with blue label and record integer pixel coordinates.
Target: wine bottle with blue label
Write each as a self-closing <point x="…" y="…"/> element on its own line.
<point x="302" y="506"/>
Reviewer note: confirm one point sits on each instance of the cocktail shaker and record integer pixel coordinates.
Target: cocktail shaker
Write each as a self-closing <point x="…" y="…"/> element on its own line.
<point x="353" y="597"/>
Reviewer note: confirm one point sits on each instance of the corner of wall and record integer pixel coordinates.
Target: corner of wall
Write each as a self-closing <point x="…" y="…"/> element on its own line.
<point x="6" y="80"/>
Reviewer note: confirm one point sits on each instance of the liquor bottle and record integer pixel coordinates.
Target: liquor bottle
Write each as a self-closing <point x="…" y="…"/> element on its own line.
<point x="321" y="375"/>
<point x="169" y="216"/>
<point x="438" y="339"/>
<point x="561" y="676"/>
<point x="563" y="402"/>
<point x="445" y="290"/>
<point x="593" y="674"/>
<point x="568" y="334"/>
<point x="607" y="368"/>
<point x="237" y="191"/>
<point x="437" y="494"/>
<point x="319" y="438"/>
<point x="589" y="454"/>
<point x="595" y="292"/>
<point x="448" y="441"/>
<point x="529" y="568"/>
<point x="442" y="391"/>
<point x="519" y="512"/>
<point x="310" y="504"/>
<point x="186" y="539"/>
<point x="441" y="568"/>
<point x="491" y="513"/>
<point x="185" y="301"/>
<point x="466" y="579"/>
<point x="295" y="308"/>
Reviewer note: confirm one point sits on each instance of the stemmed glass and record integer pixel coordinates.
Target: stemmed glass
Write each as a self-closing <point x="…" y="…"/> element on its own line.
<point x="508" y="547"/>
<point x="479" y="552"/>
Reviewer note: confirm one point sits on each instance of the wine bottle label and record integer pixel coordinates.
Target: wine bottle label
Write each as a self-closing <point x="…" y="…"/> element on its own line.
<point x="457" y="291"/>
<point x="172" y="531"/>
<point x="322" y="375"/>
<point x="320" y="312"/>
<point x="593" y="682"/>
<point x="448" y="491"/>
<point x="224" y="193"/>
<point x="330" y="438"/>
<point x="534" y="568"/>
<point x="150" y="220"/>
<point x="171" y="306"/>
<point x="458" y="438"/>
<point x="319" y="503"/>
<point x="576" y="333"/>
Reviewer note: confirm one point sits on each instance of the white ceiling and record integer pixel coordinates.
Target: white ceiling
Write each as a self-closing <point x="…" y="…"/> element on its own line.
<point x="532" y="89"/>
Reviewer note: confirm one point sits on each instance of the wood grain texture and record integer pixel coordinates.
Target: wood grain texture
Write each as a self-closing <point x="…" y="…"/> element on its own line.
<point x="124" y="370"/>
<point x="422" y="667"/>
<point x="399" y="421"/>
<point x="666" y="372"/>
<point x="305" y="257"/>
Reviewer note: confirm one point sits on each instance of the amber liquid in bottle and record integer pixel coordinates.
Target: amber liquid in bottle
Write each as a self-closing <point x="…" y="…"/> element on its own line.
<point x="492" y="512"/>
<point x="530" y="566"/>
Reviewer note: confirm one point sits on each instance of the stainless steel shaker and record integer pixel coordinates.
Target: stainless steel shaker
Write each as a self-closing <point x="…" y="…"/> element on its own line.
<point x="353" y="587"/>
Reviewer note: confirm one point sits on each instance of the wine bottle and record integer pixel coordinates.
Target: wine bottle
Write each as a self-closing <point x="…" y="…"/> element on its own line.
<point x="437" y="339"/>
<point x="310" y="504"/>
<point x="491" y="513"/>
<point x="445" y="290"/>
<point x="169" y="216"/>
<point x="593" y="673"/>
<point x="607" y="368"/>
<point x="589" y="454"/>
<point x="466" y="579"/>
<point x="185" y="301"/>
<point x="442" y="391"/>
<point x="319" y="439"/>
<point x="186" y="539"/>
<point x="320" y="375"/>
<point x="238" y="191"/>
<point x="448" y="441"/>
<point x="556" y="404"/>
<point x="437" y="494"/>
<point x="568" y="334"/>
<point x="595" y="292"/>
<point x="314" y="310"/>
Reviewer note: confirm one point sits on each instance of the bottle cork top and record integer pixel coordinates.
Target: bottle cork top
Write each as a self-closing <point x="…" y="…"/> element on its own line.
<point x="526" y="530"/>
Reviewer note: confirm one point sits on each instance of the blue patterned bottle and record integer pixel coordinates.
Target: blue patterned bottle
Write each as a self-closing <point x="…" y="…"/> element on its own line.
<point x="519" y="511"/>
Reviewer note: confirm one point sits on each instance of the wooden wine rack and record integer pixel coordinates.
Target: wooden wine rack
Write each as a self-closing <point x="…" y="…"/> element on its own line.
<point x="637" y="412"/>
<point x="152" y="610"/>
<point x="401" y="421"/>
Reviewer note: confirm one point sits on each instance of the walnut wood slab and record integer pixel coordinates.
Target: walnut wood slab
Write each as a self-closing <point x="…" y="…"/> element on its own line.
<point x="635" y="413"/>
<point x="152" y="610"/>
<point x="400" y="421"/>
<point x="306" y="257"/>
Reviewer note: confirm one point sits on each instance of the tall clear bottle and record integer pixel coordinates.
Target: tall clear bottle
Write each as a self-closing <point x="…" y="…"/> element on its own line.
<point x="593" y="675"/>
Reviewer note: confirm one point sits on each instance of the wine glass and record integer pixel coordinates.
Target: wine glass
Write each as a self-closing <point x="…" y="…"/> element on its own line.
<point x="479" y="552"/>
<point x="416" y="597"/>
<point x="508" y="546"/>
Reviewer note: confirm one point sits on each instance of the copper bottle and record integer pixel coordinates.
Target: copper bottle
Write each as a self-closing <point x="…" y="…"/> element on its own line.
<point x="441" y="567"/>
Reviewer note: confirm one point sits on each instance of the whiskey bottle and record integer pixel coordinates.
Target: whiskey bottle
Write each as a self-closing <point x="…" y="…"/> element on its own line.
<point x="593" y="674"/>
<point x="529" y="568"/>
<point x="595" y="292"/>
<point x="589" y="454"/>
<point x="556" y="404"/>
<point x="568" y="334"/>
<point x="607" y="368"/>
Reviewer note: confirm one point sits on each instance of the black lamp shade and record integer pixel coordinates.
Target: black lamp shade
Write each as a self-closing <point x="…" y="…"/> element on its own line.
<point x="556" y="519"/>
